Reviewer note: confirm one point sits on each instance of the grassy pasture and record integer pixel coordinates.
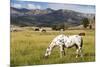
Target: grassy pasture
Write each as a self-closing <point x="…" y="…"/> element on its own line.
<point x="28" y="48"/>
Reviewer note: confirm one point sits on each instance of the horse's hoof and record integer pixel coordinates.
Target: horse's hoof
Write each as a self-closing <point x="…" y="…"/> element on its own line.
<point x="76" y="56"/>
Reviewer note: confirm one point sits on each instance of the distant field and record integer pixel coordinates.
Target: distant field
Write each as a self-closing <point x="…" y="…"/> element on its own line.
<point x="28" y="48"/>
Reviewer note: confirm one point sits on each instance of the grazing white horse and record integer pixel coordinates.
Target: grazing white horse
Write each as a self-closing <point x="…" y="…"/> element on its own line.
<point x="65" y="42"/>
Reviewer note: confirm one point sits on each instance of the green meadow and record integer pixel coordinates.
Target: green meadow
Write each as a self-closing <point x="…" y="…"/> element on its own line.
<point x="28" y="48"/>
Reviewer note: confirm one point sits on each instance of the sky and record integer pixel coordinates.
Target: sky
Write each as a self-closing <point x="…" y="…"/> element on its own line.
<point x="55" y="6"/>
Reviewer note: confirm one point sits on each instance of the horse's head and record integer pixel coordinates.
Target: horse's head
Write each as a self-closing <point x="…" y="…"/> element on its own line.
<point x="48" y="52"/>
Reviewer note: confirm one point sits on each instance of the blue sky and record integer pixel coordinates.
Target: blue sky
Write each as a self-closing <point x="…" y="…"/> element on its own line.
<point x="56" y="6"/>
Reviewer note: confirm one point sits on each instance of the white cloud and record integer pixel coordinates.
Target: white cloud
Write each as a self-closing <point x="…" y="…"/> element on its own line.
<point x="38" y="7"/>
<point x="33" y="6"/>
<point x="88" y="2"/>
<point x="74" y="7"/>
<point x="58" y="6"/>
<point x="17" y="5"/>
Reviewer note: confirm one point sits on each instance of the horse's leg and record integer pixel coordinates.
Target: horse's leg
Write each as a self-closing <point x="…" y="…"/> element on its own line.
<point x="61" y="51"/>
<point x="79" y="48"/>
<point x="81" y="54"/>
<point x="77" y="53"/>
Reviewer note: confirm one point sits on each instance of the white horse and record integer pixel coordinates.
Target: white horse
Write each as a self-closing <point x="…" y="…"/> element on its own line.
<point x="65" y="42"/>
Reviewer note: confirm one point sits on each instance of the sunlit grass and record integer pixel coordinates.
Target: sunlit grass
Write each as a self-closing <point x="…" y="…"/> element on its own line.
<point x="28" y="48"/>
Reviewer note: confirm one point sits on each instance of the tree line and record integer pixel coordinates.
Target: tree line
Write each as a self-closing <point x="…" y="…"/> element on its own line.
<point x="86" y="22"/>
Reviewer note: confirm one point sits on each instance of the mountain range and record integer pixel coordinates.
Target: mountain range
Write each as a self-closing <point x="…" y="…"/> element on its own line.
<point x="46" y="17"/>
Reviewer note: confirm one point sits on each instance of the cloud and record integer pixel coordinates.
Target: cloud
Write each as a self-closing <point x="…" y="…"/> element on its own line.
<point x="75" y="7"/>
<point x="38" y="6"/>
<point x="17" y="5"/>
<point x="57" y="6"/>
<point x="33" y="6"/>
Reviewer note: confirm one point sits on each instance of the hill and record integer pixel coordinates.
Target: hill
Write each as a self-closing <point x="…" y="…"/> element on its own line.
<point x="46" y="17"/>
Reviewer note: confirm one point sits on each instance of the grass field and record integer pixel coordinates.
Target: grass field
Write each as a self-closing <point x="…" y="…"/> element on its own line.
<point x="28" y="48"/>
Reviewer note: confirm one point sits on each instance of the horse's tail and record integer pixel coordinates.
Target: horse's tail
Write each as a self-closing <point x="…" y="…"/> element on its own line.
<point x="81" y="42"/>
<point x="81" y="34"/>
